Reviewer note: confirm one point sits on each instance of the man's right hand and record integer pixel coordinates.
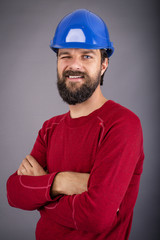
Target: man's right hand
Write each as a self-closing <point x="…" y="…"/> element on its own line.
<point x="69" y="183"/>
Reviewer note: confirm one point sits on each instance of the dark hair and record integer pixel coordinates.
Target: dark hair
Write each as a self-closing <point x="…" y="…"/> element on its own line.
<point x="104" y="55"/>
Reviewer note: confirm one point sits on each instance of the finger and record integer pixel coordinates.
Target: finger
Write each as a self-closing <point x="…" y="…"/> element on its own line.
<point x="22" y="170"/>
<point x="19" y="172"/>
<point x="33" y="162"/>
<point x="37" y="169"/>
<point x="26" y="164"/>
<point x="25" y="167"/>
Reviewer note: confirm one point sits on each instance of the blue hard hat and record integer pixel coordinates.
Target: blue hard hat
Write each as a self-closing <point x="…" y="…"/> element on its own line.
<point x="82" y="29"/>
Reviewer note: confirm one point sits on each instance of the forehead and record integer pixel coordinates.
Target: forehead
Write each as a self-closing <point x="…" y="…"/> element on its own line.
<point x="95" y="52"/>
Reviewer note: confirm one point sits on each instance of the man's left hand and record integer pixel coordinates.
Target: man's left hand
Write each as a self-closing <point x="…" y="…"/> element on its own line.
<point x="30" y="167"/>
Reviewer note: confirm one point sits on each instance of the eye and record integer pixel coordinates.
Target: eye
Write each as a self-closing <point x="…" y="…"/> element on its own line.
<point x="87" y="57"/>
<point x="65" y="57"/>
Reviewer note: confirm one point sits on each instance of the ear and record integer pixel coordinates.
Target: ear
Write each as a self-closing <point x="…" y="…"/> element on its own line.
<point x="104" y="66"/>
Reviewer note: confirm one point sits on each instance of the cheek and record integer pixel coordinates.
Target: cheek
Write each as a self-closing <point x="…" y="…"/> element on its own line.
<point x="60" y="69"/>
<point x="96" y="70"/>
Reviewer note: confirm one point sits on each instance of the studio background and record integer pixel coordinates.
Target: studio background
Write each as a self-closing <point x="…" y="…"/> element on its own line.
<point x="29" y="96"/>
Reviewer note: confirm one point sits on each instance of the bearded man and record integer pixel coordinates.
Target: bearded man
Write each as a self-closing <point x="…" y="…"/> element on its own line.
<point x="84" y="170"/>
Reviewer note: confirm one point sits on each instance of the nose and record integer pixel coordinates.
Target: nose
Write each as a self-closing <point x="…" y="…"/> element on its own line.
<point x="75" y="64"/>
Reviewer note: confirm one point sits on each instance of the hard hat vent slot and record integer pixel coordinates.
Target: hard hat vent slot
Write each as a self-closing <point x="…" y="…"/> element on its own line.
<point x="75" y="35"/>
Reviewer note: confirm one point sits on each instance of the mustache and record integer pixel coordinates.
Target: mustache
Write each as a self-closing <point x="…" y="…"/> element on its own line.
<point x="74" y="73"/>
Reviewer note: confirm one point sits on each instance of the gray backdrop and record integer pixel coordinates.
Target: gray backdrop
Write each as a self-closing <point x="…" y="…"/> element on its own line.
<point x="28" y="94"/>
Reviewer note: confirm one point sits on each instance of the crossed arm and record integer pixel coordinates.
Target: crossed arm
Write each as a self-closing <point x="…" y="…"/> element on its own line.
<point x="66" y="183"/>
<point x="118" y="163"/>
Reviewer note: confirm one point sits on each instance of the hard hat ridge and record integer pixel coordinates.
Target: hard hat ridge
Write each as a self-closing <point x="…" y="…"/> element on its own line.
<point x="82" y="29"/>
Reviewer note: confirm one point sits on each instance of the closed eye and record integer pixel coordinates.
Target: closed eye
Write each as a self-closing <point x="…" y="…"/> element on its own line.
<point x="62" y="57"/>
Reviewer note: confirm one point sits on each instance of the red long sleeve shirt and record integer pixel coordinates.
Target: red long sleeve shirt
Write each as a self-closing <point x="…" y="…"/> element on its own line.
<point x="108" y="144"/>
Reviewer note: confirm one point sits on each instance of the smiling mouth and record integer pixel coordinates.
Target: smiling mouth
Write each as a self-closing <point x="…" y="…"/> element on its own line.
<point x="76" y="78"/>
<point x="72" y="77"/>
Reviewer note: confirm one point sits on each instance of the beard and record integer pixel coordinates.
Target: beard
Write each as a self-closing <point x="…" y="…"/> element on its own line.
<point x="73" y="94"/>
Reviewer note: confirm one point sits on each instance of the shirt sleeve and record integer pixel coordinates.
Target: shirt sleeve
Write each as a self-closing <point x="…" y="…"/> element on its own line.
<point x="32" y="192"/>
<point x="118" y="164"/>
<point x="29" y="192"/>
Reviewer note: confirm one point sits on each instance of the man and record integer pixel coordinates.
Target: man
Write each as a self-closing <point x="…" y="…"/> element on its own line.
<point x="84" y="170"/>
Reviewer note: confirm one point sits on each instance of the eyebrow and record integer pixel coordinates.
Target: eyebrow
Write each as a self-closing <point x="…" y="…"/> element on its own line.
<point x="83" y="52"/>
<point x="88" y="52"/>
<point x="63" y="53"/>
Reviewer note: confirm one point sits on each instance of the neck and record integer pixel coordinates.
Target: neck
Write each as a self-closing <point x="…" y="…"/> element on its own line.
<point x="83" y="109"/>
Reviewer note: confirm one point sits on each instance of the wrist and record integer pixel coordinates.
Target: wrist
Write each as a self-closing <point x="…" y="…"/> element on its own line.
<point x="56" y="187"/>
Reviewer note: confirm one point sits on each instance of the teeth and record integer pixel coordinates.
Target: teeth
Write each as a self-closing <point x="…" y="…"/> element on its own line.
<point x="75" y="76"/>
